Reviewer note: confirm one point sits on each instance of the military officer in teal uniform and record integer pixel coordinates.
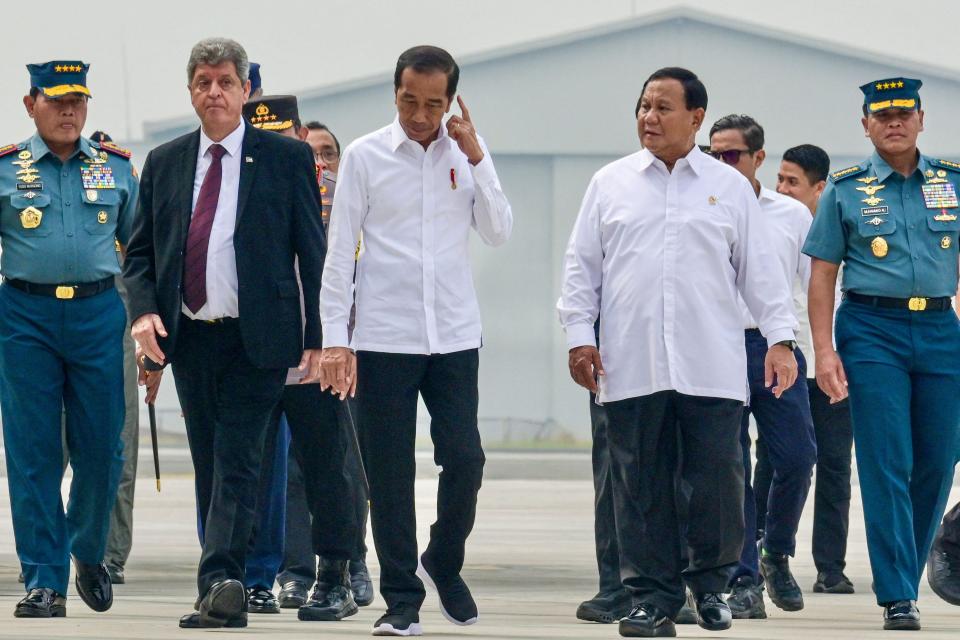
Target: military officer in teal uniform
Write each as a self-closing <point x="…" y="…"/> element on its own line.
<point x="892" y="220"/>
<point x="65" y="207"/>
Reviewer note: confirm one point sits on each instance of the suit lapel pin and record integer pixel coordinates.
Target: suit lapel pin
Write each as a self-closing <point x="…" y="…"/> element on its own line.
<point x="248" y="159"/>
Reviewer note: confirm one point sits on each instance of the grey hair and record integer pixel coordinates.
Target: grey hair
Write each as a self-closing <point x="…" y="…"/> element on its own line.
<point x="213" y="51"/>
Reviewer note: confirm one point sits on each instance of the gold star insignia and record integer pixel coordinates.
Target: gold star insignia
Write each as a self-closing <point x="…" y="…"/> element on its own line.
<point x="900" y="84"/>
<point x="57" y="68"/>
<point x="879" y="86"/>
<point x="886" y="85"/>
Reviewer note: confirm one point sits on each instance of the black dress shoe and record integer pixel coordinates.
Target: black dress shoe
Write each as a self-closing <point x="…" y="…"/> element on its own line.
<point x="260" y="600"/>
<point x="223" y="601"/>
<point x="832" y="582"/>
<point x="902" y="615"/>
<point x="713" y="613"/>
<point x="781" y="585"/>
<point x="605" y="607"/>
<point x="943" y="570"/>
<point x="93" y="584"/>
<point x="360" y="583"/>
<point x="192" y="621"/>
<point x="456" y="602"/>
<point x="116" y="575"/>
<point x="42" y="603"/>
<point x="293" y="595"/>
<point x="337" y="601"/>
<point x="647" y="621"/>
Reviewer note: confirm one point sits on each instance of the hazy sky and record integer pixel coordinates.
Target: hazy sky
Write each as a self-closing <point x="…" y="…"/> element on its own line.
<point x="139" y="50"/>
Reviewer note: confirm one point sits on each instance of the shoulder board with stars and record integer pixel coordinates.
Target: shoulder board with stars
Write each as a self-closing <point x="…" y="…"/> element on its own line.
<point x="946" y="164"/>
<point x="846" y="173"/>
<point x="8" y="149"/>
<point x="115" y="150"/>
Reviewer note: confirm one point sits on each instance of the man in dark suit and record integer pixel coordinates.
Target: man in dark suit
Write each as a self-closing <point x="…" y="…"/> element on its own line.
<point x="224" y="213"/>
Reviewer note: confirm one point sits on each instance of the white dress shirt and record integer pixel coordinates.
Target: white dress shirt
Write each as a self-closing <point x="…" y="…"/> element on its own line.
<point x="414" y="287"/>
<point x="661" y="257"/>
<point x="804" y="335"/>
<point x="788" y="223"/>
<point x="221" y="259"/>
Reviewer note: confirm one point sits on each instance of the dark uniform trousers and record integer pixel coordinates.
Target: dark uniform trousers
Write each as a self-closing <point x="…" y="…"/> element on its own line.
<point x="652" y="439"/>
<point x="604" y="529"/>
<point x="787" y="430"/>
<point x="903" y="376"/>
<point x="227" y="406"/>
<point x="388" y="386"/>
<point x="56" y="356"/>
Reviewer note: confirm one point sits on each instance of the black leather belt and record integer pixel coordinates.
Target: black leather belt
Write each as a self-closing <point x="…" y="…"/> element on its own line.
<point x="225" y="320"/>
<point x="63" y="291"/>
<point x="913" y="304"/>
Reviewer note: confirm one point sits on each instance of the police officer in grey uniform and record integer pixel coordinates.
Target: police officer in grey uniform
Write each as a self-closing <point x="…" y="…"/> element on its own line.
<point x="65" y="204"/>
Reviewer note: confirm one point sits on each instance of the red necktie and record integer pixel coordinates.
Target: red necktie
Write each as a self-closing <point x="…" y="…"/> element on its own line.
<point x="198" y="238"/>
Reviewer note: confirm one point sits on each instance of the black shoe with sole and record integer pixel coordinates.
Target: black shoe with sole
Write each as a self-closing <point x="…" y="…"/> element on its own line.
<point x="224" y="601"/>
<point x="456" y="602"/>
<point x="781" y="585"/>
<point x="192" y="621"/>
<point x="647" y="621"/>
<point x="293" y="595"/>
<point x="605" y="607"/>
<point x="260" y="600"/>
<point x="360" y="583"/>
<point x="688" y="612"/>
<point x="713" y="613"/>
<point x="746" y="600"/>
<point x="93" y="584"/>
<point x="832" y="582"/>
<point x="337" y="601"/>
<point x="116" y="575"/>
<point x="41" y="603"/>
<point x="402" y="620"/>
<point x="902" y="615"/>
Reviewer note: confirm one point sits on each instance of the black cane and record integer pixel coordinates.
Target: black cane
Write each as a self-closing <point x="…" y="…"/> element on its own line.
<point x="152" y="411"/>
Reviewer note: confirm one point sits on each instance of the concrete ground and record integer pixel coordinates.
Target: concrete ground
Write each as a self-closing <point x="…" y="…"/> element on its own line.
<point x="530" y="562"/>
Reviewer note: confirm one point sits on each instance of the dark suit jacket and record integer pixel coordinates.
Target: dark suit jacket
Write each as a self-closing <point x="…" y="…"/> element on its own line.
<point x="278" y="219"/>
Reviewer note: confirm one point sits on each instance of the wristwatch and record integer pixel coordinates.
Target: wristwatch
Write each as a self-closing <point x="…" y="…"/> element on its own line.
<point x="789" y="344"/>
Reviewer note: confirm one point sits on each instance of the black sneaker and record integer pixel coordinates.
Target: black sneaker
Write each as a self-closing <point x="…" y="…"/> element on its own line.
<point x="713" y="614"/>
<point x="902" y="615"/>
<point x="402" y="620"/>
<point x="746" y="600"/>
<point x="605" y="607"/>
<point x="781" y="585"/>
<point x="647" y="621"/>
<point x="456" y="601"/>
<point x="832" y="582"/>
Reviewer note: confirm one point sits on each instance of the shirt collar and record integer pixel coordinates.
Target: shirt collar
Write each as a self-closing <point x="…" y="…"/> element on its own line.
<point x="231" y="144"/>
<point x="398" y="136"/>
<point x="883" y="170"/>
<point x="39" y="148"/>
<point x="695" y="159"/>
<point x="767" y="194"/>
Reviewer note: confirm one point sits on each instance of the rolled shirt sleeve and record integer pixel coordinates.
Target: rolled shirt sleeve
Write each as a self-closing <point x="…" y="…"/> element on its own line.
<point x="492" y="216"/>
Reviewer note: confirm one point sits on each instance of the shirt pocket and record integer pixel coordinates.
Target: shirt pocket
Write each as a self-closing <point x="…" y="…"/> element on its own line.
<point x="876" y="225"/>
<point x="99" y="211"/>
<point x="29" y="216"/>
<point x="945" y="220"/>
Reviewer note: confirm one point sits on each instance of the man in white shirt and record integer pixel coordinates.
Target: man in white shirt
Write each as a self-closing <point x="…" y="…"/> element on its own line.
<point x="414" y="189"/>
<point x="667" y="238"/>
<point x="783" y="423"/>
<point x="803" y="175"/>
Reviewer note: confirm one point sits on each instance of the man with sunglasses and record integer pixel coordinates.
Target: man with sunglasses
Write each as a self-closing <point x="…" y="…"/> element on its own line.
<point x="893" y="221"/>
<point x="784" y="423"/>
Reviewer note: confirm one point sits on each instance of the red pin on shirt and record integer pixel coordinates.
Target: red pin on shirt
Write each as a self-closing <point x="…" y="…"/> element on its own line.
<point x="453" y="178"/>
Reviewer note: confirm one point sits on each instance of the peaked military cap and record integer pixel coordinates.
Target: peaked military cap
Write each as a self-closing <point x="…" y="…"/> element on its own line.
<point x="892" y="93"/>
<point x="59" y="77"/>
<point x="273" y="113"/>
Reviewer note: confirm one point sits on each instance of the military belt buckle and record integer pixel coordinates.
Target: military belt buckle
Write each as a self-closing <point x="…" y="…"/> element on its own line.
<point x="917" y="304"/>
<point x="65" y="293"/>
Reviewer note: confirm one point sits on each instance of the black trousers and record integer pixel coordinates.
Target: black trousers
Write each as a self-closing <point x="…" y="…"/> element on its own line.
<point x="652" y="438"/>
<point x="831" y="506"/>
<point x="604" y="528"/>
<point x="227" y="403"/>
<point x="318" y="439"/>
<point x="388" y="386"/>
<point x="299" y="558"/>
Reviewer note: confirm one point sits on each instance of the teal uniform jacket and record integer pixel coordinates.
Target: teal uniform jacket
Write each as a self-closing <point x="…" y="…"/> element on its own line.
<point x="61" y="222"/>
<point x="897" y="236"/>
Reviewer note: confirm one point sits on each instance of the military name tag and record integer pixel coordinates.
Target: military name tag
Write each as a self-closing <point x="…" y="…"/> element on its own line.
<point x="875" y="211"/>
<point x="27" y="186"/>
<point x="939" y="196"/>
<point x="97" y="177"/>
<point x="31" y="217"/>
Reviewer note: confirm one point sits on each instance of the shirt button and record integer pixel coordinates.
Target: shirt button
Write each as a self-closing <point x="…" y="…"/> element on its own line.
<point x="67" y="203"/>
<point x="912" y="226"/>
<point x="69" y="234"/>
<point x="906" y="196"/>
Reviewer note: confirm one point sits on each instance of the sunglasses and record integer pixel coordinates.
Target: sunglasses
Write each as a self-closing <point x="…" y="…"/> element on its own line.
<point x="730" y="156"/>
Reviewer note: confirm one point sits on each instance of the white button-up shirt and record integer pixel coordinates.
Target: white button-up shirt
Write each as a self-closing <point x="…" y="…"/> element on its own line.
<point x="414" y="287"/>
<point x="661" y="258"/>
<point x="788" y="223"/>
<point x="221" y="259"/>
